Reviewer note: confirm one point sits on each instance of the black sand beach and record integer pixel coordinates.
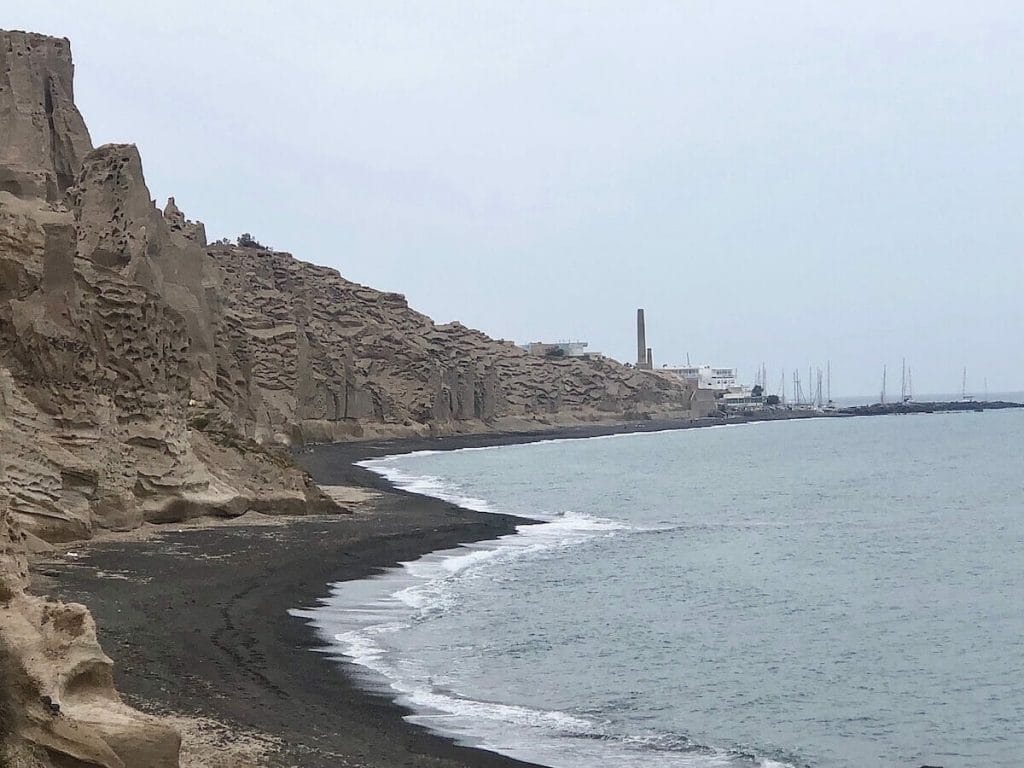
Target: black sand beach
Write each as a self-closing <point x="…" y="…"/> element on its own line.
<point x="197" y="620"/>
<point x="197" y="624"/>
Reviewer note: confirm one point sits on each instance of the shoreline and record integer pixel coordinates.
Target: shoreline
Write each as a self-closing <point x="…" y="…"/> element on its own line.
<point x="232" y="654"/>
<point x="335" y="463"/>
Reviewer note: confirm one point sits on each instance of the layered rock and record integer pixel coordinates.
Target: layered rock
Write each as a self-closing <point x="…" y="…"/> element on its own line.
<point x="60" y="706"/>
<point x="44" y="136"/>
<point x="331" y="358"/>
<point x="108" y="320"/>
<point x="106" y="345"/>
<point x="147" y="376"/>
<point x="68" y="712"/>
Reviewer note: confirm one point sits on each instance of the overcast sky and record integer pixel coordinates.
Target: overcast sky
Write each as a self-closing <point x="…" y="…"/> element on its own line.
<point x="783" y="182"/>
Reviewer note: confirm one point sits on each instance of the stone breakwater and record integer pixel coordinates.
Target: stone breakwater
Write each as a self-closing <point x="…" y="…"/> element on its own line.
<point x="954" y="406"/>
<point x="148" y="376"/>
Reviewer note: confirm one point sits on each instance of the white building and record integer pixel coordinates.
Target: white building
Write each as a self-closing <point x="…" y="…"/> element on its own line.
<point x="707" y="376"/>
<point x="742" y="399"/>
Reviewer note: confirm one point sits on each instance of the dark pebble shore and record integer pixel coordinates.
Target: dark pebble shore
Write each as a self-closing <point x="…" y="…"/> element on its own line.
<point x="197" y="620"/>
<point x="197" y="623"/>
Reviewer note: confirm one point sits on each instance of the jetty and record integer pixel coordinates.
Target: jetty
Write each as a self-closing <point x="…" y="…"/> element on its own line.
<point x="881" y="409"/>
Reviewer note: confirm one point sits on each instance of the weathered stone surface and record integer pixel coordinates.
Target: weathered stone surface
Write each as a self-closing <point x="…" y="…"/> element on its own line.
<point x="330" y="358"/>
<point x="111" y="343"/>
<point x="54" y="660"/>
<point x="110" y="338"/>
<point x="147" y="376"/>
<point x="44" y="136"/>
<point x="192" y="230"/>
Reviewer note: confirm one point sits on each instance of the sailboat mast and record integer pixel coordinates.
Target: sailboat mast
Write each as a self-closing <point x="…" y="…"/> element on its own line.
<point x="883" y="385"/>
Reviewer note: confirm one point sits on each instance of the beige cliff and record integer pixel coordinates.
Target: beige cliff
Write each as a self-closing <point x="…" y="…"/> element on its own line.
<point x="331" y="359"/>
<point x="146" y="376"/>
<point x="108" y="335"/>
<point x="68" y="712"/>
<point x="105" y="340"/>
<point x="44" y="136"/>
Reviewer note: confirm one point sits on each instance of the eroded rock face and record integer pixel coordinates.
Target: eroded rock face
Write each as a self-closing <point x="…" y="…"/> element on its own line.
<point x="146" y="376"/>
<point x="137" y="364"/>
<point x="44" y="136"/>
<point x="331" y="359"/>
<point x="62" y="680"/>
<point x="110" y="343"/>
<point x="109" y="323"/>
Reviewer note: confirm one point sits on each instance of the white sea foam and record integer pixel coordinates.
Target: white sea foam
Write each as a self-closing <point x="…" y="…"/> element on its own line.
<point x="416" y="588"/>
<point x="551" y="737"/>
<point x="426" y="485"/>
<point x="359" y="616"/>
<point x="384" y="465"/>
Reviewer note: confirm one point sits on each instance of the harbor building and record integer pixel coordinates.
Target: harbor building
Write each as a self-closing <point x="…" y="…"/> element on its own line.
<point x="741" y="399"/>
<point x="707" y="376"/>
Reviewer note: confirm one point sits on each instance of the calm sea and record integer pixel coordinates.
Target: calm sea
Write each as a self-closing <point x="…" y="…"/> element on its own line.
<point x="836" y="593"/>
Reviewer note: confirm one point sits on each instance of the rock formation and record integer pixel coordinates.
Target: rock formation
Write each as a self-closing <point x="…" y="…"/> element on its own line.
<point x="330" y="359"/>
<point x="148" y="376"/>
<point x="108" y="320"/>
<point x="106" y="344"/>
<point x="67" y="709"/>
<point x="44" y="136"/>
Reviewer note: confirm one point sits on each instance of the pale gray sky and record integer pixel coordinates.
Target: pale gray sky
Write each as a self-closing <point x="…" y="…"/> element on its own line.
<point x="782" y="182"/>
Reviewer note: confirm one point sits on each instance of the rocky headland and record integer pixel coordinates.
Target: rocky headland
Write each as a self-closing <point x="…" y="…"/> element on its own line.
<point x="148" y="377"/>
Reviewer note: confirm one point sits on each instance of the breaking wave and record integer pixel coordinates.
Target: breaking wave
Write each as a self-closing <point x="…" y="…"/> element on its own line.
<point x="358" y="618"/>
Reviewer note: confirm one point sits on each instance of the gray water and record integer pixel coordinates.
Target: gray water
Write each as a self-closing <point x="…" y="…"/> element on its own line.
<point x="834" y="593"/>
